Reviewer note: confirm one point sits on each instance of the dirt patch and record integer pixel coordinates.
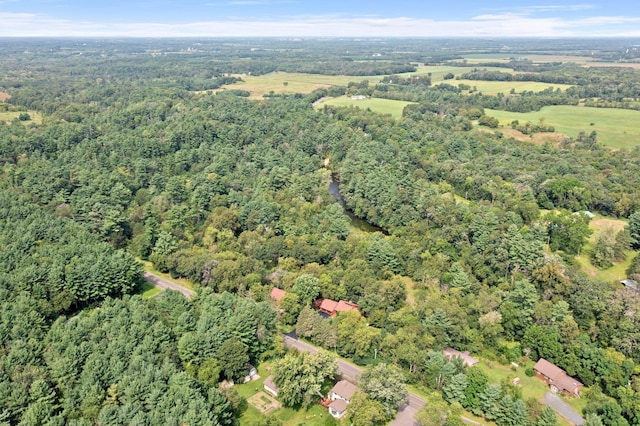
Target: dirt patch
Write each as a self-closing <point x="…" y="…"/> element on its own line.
<point x="4" y="96"/>
<point x="263" y="403"/>
<point x="601" y="224"/>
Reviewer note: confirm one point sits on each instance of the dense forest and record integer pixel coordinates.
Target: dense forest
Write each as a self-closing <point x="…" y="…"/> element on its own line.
<point x="471" y="241"/>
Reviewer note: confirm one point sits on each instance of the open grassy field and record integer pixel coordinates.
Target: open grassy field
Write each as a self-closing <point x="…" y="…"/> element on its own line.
<point x="290" y="83"/>
<point x="8" y="116"/>
<point x="495" y="87"/>
<point x="634" y="65"/>
<point x="382" y="106"/>
<point x="438" y="71"/>
<point x="615" y="273"/>
<point x="148" y="291"/>
<point x="148" y="266"/>
<point x="617" y="128"/>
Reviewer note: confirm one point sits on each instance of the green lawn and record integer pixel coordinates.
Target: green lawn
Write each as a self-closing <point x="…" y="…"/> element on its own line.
<point x="532" y="387"/>
<point x="314" y="415"/>
<point x="149" y="290"/>
<point x="148" y="266"/>
<point x="382" y="106"/>
<point x="617" y="128"/>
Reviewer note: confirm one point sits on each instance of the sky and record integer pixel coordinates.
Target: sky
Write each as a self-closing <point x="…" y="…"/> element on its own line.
<point x="318" y="18"/>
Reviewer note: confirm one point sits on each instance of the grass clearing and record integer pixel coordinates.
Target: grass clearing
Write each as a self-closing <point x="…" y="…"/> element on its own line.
<point x="439" y="71"/>
<point x="495" y="87"/>
<point x="615" y="273"/>
<point x="382" y="106"/>
<point x="148" y="266"/>
<point x="554" y="138"/>
<point x="532" y="387"/>
<point x="8" y="116"/>
<point x="149" y="290"/>
<point x="290" y="83"/>
<point x="314" y="415"/>
<point x="616" y="128"/>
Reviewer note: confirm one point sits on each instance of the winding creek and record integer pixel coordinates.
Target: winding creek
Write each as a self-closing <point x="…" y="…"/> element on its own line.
<point x="356" y="222"/>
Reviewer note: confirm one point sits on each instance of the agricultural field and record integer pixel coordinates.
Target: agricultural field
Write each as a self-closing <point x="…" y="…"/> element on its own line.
<point x="290" y="83"/>
<point x="382" y="106"/>
<point x="495" y="87"/>
<point x="616" y="128"/>
<point x="439" y="71"/>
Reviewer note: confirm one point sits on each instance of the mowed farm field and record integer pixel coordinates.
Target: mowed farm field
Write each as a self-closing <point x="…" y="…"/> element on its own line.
<point x="495" y="87"/>
<point x="382" y="106"/>
<point x="290" y="83"/>
<point x="616" y="128"/>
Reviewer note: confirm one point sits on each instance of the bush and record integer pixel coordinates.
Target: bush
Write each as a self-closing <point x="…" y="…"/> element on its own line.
<point x="530" y="372"/>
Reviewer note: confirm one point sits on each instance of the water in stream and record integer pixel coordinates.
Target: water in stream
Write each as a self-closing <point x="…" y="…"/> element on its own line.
<point x="357" y="222"/>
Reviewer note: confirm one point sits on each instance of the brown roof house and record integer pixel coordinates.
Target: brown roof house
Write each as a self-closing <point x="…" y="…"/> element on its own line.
<point x="270" y="386"/>
<point x="557" y="378"/>
<point x="277" y="294"/>
<point x="467" y="359"/>
<point x="340" y="396"/>
<point x="331" y="307"/>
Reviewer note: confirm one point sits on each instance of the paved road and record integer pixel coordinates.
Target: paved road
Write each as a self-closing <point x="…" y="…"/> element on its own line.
<point x="346" y="369"/>
<point x="406" y="413"/>
<point x="165" y="284"/>
<point x="562" y="408"/>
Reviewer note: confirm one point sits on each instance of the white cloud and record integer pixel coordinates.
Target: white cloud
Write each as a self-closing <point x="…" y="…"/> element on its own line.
<point x="492" y="25"/>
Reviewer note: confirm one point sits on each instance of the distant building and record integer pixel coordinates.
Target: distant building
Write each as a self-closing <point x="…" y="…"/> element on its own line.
<point x="340" y="397"/>
<point x="467" y="359"/>
<point x="331" y="307"/>
<point x="252" y="373"/>
<point x="557" y="378"/>
<point x="270" y="386"/>
<point x="277" y="294"/>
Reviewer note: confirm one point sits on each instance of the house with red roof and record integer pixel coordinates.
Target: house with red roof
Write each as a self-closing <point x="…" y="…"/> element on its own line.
<point x="557" y="379"/>
<point x="277" y="294"/>
<point x="331" y="307"/>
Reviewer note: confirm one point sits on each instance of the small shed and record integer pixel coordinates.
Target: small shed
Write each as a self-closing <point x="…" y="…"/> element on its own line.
<point x="270" y="386"/>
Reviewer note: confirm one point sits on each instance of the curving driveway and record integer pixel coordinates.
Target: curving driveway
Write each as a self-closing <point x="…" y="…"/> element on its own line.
<point x="167" y="285"/>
